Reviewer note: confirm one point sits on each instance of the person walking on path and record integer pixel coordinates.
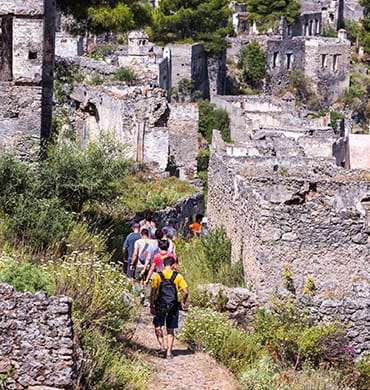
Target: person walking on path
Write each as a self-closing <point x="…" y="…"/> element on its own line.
<point x="164" y="304"/>
<point x="141" y="261"/>
<point x="128" y="249"/>
<point x="148" y="223"/>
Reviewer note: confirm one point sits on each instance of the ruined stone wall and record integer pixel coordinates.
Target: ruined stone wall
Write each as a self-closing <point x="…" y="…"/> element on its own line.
<point x="327" y="63"/>
<point x="27" y="50"/>
<point x="136" y="116"/>
<point x="183" y="139"/>
<point x="36" y="340"/>
<point x="306" y="213"/>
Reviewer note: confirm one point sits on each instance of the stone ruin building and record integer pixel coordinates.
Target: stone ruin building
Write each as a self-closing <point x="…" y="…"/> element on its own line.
<point x="283" y="202"/>
<point x="26" y="74"/>
<point x="324" y="61"/>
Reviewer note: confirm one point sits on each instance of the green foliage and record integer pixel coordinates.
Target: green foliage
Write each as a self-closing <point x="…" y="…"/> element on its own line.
<point x="208" y="261"/>
<point x="185" y="91"/>
<point x="353" y="29"/>
<point x="65" y="79"/>
<point x="334" y="117"/>
<point x="106" y="367"/>
<point x="125" y="74"/>
<point x="97" y="80"/>
<point x="25" y="277"/>
<point x="362" y="366"/>
<point x="100" y="17"/>
<point x="265" y="376"/>
<point x="211" y="118"/>
<point x="102" y="51"/>
<point x="202" y="160"/>
<point x="267" y="13"/>
<point x="14" y="181"/>
<point x="207" y="22"/>
<point x="288" y="279"/>
<point x="253" y="62"/>
<point x="365" y="26"/>
<point x="139" y="194"/>
<point x="309" y="288"/>
<point x="289" y="332"/>
<point x="97" y="289"/>
<point x="209" y="331"/>
<point x="329" y="32"/>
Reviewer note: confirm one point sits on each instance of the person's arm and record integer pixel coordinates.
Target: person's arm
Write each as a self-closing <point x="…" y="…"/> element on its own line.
<point x="150" y="273"/>
<point x="134" y="257"/>
<point x="147" y="262"/>
<point x="185" y="294"/>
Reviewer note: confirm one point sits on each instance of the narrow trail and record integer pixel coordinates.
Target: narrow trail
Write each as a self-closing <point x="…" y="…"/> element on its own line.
<point x="187" y="371"/>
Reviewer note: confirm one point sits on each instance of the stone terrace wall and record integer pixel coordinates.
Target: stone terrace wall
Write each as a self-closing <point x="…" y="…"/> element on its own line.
<point x="36" y="340"/>
<point x="309" y="214"/>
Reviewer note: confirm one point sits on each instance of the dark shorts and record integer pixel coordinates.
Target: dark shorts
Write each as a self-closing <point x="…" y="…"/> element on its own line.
<point x="171" y="319"/>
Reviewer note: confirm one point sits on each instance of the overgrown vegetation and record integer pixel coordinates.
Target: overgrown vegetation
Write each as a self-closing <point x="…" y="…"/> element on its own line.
<point x="211" y="118"/>
<point x="57" y="216"/>
<point x="253" y="64"/>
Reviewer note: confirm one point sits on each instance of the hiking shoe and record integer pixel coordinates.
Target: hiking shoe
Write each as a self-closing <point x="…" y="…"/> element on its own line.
<point x="170" y="356"/>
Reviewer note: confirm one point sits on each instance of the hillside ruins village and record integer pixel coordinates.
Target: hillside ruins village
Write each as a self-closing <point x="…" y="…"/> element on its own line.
<point x="290" y="189"/>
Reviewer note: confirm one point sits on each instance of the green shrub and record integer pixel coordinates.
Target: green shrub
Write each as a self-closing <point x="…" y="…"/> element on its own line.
<point x="265" y="376"/>
<point x="25" y="277"/>
<point x="362" y="366"/>
<point x="253" y="63"/>
<point x="97" y="80"/>
<point x="209" y="331"/>
<point x="97" y="289"/>
<point x="106" y="367"/>
<point x="202" y="160"/>
<point x="329" y="32"/>
<point x="125" y="74"/>
<point x="211" y="118"/>
<point x="289" y="331"/>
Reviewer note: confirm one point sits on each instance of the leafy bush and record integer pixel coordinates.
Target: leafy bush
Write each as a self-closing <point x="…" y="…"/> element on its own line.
<point x="329" y="32"/>
<point x="211" y="118"/>
<point x="106" y="367"/>
<point x="202" y="160"/>
<point x="97" y="289"/>
<point x="253" y="63"/>
<point x="290" y="333"/>
<point x="207" y="330"/>
<point x="125" y="74"/>
<point x="25" y="277"/>
<point x="265" y="376"/>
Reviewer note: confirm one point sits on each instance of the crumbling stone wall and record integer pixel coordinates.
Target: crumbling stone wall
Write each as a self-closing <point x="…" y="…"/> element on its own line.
<point x="303" y="212"/>
<point x="36" y="340"/>
<point x="27" y="41"/>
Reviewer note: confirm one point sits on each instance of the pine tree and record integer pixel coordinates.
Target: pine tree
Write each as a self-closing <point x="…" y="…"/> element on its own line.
<point x="106" y="16"/>
<point x="267" y="13"/>
<point x="204" y="21"/>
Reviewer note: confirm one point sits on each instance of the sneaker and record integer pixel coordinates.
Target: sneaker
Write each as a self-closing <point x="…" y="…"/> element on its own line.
<point x="142" y="297"/>
<point x="170" y="356"/>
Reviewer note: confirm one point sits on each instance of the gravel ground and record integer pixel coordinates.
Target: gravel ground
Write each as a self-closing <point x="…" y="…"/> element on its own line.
<point x="188" y="370"/>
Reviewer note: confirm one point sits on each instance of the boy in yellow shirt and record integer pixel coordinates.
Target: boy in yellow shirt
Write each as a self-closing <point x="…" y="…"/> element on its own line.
<point x="164" y="305"/>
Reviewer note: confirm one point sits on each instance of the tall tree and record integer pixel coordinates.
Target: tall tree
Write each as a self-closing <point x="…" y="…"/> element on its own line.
<point x="106" y="15"/>
<point x="364" y="37"/>
<point x="267" y="13"/>
<point x="204" y="21"/>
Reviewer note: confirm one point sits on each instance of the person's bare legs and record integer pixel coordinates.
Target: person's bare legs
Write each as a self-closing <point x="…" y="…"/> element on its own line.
<point x="170" y="339"/>
<point x="159" y="334"/>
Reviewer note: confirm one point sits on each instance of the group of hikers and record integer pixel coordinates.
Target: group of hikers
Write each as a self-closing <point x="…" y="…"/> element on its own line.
<point x="150" y="259"/>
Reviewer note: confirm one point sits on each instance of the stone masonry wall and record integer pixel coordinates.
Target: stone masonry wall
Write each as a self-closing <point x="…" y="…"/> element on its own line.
<point x="36" y="340"/>
<point x="299" y="211"/>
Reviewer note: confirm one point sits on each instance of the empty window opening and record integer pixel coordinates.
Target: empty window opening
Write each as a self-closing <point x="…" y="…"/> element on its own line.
<point x="335" y="62"/>
<point x="331" y="17"/>
<point x="324" y="60"/>
<point x="32" y="54"/>
<point x="310" y="32"/>
<point x="275" y="59"/>
<point x="6" y="49"/>
<point x="289" y="60"/>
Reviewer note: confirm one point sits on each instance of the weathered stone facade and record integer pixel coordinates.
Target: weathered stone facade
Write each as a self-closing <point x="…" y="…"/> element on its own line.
<point x="296" y="210"/>
<point x="36" y="341"/>
<point x="26" y="73"/>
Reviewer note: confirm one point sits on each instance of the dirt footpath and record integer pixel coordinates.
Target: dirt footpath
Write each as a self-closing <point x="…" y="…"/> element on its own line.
<point x="188" y="370"/>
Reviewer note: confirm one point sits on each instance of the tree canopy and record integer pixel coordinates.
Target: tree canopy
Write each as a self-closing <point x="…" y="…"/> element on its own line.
<point x="253" y="60"/>
<point x="365" y="30"/>
<point x="106" y="15"/>
<point x="267" y="13"/>
<point x="204" y="21"/>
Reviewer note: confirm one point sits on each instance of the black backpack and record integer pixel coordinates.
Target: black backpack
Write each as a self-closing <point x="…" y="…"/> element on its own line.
<point x="167" y="296"/>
